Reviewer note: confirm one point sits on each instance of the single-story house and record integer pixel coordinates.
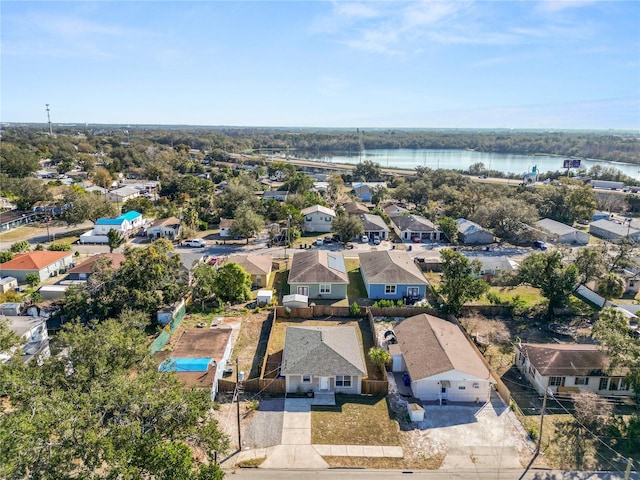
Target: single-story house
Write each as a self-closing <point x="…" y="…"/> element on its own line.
<point x="614" y="230"/>
<point x="408" y="227"/>
<point x="365" y="190"/>
<point x="374" y="226"/>
<point x="391" y="208"/>
<point x="442" y="364"/>
<point x="470" y="233"/>
<point x="279" y="195"/>
<point x="15" y="218"/>
<point x="319" y="274"/>
<point x="599" y="215"/>
<point x="123" y="224"/>
<point x="258" y="266"/>
<point x="225" y="226"/>
<point x="354" y="208"/>
<point x="89" y="266"/>
<point x="570" y="368"/>
<point x="8" y="283"/>
<point x="96" y="189"/>
<point x="122" y="194"/>
<point x="43" y="263"/>
<point x="165" y="228"/>
<point x="33" y="333"/>
<point x="323" y="359"/>
<point x="53" y="292"/>
<point x="392" y="274"/>
<point x="562" y="233"/>
<point x="318" y="219"/>
<point x="493" y="266"/>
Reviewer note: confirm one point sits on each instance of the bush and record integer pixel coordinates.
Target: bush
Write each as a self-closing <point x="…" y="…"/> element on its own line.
<point x="354" y="309"/>
<point x="387" y="303"/>
<point x="60" y="247"/>
<point x="36" y="297"/>
<point x="494" y="298"/>
<point x="39" y="247"/>
<point x="5" y="256"/>
<point x="20" y="247"/>
<point x="32" y="279"/>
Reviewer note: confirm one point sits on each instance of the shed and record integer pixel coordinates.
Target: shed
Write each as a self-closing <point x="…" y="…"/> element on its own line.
<point x="8" y="283"/>
<point x="295" y="300"/>
<point x="264" y="297"/>
<point x="397" y="361"/>
<point x="11" y="309"/>
<point x="52" y="292"/>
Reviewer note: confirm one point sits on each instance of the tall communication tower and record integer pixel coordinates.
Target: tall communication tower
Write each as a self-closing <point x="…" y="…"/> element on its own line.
<point x="49" y="120"/>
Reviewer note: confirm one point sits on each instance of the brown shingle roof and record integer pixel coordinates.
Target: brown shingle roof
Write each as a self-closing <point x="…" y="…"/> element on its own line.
<point x="34" y="260"/>
<point x="88" y="265"/>
<point x="431" y="346"/>
<point x="318" y="266"/>
<point x="566" y="359"/>
<point x="253" y="264"/>
<point x="164" y="222"/>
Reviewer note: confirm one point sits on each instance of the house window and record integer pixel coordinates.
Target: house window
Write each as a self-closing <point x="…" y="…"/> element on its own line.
<point x="413" y="291"/>
<point x="325" y="288"/>
<point x="532" y="370"/>
<point x="603" y="383"/>
<point x="303" y="291"/>
<point x="582" y="380"/>
<point x="308" y="219"/>
<point x="389" y="289"/>
<point x="306" y="379"/>
<point x="327" y="219"/>
<point x="462" y="386"/>
<point x="343" y="381"/>
<point x="258" y="278"/>
<point x="617" y="383"/>
<point x="522" y="358"/>
<point x="556" y="381"/>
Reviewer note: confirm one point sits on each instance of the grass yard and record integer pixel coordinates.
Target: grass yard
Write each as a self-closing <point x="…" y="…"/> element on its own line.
<point x="529" y="296"/>
<point x="21" y="233"/>
<point x="421" y="462"/>
<point x="355" y="420"/>
<point x="355" y="289"/>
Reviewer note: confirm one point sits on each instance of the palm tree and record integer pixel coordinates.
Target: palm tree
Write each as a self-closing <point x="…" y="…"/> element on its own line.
<point x="379" y="356"/>
<point x="611" y="286"/>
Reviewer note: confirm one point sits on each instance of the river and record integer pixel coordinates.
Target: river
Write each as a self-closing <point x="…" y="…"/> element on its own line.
<point x="462" y="159"/>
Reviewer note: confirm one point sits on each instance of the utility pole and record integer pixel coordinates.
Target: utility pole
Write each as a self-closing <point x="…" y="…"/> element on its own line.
<point x="238" y="405"/>
<point x="49" y="120"/>
<point x="544" y="406"/>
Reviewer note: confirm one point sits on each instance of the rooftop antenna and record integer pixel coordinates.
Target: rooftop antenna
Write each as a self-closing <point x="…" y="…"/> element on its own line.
<point x="49" y="120"/>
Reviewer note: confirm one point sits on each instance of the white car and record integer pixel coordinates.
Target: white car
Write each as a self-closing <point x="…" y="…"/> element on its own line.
<point x="196" y="242"/>
<point x="364" y="239"/>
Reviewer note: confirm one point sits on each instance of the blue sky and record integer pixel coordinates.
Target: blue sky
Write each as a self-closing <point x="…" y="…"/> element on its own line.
<point x="456" y="64"/>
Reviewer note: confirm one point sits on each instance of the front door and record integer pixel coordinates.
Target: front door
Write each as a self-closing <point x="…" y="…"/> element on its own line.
<point x="443" y="392"/>
<point x="324" y="383"/>
<point x="413" y="292"/>
<point x="303" y="291"/>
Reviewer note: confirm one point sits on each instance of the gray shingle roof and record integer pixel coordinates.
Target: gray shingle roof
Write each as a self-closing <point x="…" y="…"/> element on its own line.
<point x="431" y="346"/>
<point x="555" y="228"/>
<point x="373" y="223"/>
<point x="566" y="359"/>
<point x="318" y="266"/>
<point x="318" y="208"/>
<point x="322" y="351"/>
<point x="467" y="227"/>
<point x="390" y="266"/>
<point x="253" y="264"/>
<point x="414" y="223"/>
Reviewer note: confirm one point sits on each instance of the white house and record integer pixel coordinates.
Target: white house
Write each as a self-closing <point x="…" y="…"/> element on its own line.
<point x="33" y="333"/>
<point x="165" y="228"/>
<point x="43" y="263"/>
<point x="570" y="368"/>
<point x="562" y="233"/>
<point x="122" y="194"/>
<point x="442" y="364"/>
<point x="409" y="227"/>
<point x="225" y="227"/>
<point x="318" y="219"/>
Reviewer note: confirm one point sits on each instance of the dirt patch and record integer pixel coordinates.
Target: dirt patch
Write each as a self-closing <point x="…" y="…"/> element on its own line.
<point x="251" y="344"/>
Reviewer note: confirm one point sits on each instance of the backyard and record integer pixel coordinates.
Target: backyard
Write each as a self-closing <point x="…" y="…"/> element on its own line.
<point x="356" y="291"/>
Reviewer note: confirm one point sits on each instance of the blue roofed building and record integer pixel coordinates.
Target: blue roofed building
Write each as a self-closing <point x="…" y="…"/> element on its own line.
<point x="122" y="223"/>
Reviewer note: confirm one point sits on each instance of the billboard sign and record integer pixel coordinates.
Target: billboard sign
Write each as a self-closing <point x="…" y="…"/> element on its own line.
<point x="571" y="163"/>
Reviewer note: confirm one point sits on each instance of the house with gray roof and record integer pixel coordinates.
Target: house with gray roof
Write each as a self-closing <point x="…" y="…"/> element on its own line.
<point x="408" y="227"/>
<point x="374" y="226"/>
<point x="319" y="274"/>
<point x="570" y="368"/>
<point x="614" y="230"/>
<point x="317" y="218"/>
<point x="562" y="233"/>
<point x="492" y="266"/>
<point x="392" y="274"/>
<point x="323" y="360"/>
<point x="353" y="208"/>
<point x="441" y="363"/>
<point x="470" y="233"/>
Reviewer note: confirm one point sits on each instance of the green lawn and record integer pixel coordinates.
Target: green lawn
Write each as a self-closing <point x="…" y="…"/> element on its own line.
<point x="528" y="295"/>
<point x="355" y="289"/>
<point x="355" y="420"/>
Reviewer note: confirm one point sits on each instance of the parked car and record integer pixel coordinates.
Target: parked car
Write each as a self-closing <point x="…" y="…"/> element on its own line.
<point x="376" y="240"/>
<point x="364" y="239"/>
<point x="539" y="245"/>
<point x="416" y="240"/>
<point x="319" y="241"/>
<point x="327" y="240"/>
<point x="196" y="242"/>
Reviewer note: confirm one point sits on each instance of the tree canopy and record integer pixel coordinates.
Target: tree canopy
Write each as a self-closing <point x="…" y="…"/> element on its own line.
<point x="460" y="280"/>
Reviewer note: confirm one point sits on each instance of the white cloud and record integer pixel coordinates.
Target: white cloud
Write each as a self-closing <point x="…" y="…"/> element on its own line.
<point x="559" y="5"/>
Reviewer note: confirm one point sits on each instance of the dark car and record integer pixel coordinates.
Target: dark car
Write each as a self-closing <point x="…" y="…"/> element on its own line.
<point x="539" y="245"/>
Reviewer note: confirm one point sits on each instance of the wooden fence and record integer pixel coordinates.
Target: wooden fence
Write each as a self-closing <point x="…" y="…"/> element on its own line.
<point x="375" y="387"/>
<point x="400" y="311"/>
<point x="255" y="385"/>
<point x="313" y="311"/>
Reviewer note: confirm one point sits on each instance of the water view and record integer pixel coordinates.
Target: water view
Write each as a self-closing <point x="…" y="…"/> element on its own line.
<point x="462" y="159"/>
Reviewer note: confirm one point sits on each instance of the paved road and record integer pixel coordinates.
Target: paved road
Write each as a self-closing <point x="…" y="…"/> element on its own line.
<point x="502" y="474"/>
